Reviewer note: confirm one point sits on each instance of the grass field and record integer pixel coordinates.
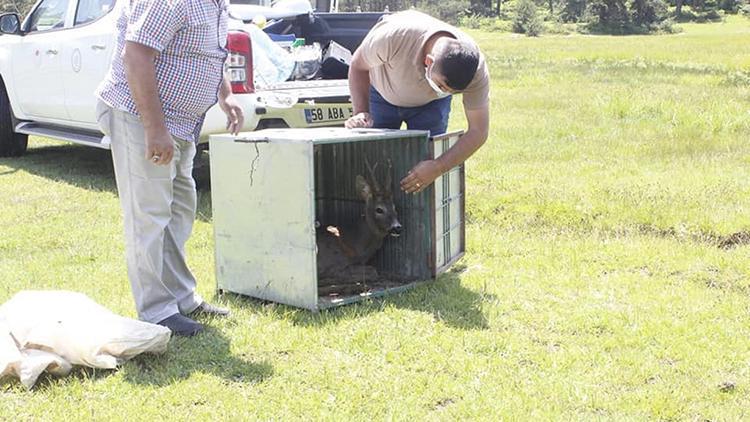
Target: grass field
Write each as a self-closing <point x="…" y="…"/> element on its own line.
<point x="607" y="273"/>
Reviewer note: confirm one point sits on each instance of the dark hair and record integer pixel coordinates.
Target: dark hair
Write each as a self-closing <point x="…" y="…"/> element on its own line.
<point x="457" y="61"/>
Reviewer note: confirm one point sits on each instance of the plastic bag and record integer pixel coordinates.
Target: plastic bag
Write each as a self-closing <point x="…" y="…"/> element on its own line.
<point x="52" y="330"/>
<point x="307" y="60"/>
<point x="271" y="63"/>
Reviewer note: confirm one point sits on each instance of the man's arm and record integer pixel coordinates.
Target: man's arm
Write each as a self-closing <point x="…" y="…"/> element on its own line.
<point x="424" y="173"/>
<point x="231" y="107"/>
<point x="140" y="71"/>
<point x="359" y="88"/>
<point x="469" y="143"/>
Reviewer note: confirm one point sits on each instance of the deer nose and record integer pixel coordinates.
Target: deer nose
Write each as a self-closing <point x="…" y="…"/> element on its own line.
<point x="396" y="229"/>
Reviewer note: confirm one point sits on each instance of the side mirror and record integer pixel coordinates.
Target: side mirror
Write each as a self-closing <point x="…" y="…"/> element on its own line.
<point x="10" y="23"/>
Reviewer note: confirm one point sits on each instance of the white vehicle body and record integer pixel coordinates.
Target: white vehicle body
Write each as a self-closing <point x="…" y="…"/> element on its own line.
<point x="51" y="68"/>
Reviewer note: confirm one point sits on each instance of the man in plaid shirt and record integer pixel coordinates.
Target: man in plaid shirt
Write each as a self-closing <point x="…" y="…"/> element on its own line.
<point x="166" y="73"/>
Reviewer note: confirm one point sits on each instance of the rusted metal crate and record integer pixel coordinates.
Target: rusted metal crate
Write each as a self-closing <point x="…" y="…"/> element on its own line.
<point x="270" y="187"/>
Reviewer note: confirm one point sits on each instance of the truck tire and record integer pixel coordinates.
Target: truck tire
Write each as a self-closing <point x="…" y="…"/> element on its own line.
<point x="11" y="144"/>
<point x="201" y="170"/>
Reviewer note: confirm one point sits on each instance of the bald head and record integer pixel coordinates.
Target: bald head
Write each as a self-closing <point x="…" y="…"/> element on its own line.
<point x="456" y="61"/>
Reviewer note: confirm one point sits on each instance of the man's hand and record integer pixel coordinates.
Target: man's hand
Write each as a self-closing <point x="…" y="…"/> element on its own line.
<point x="359" y="120"/>
<point x="235" y="116"/>
<point x="159" y="147"/>
<point x="421" y="176"/>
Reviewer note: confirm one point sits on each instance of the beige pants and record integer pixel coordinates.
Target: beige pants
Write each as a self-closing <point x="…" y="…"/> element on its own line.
<point x="158" y="205"/>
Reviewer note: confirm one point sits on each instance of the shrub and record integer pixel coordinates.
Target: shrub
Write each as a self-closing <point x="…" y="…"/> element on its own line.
<point x="559" y="28"/>
<point x="608" y="15"/>
<point x="471" y="21"/>
<point x="667" y="26"/>
<point x="526" y="20"/>
<point x="451" y="11"/>
<point x="647" y="12"/>
<point x="498" y="25"/>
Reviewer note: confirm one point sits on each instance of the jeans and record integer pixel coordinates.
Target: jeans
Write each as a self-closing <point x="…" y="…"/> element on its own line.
<point x="432" y="116"/>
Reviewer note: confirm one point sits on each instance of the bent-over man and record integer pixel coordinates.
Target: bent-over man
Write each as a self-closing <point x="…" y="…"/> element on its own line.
<point x="405" y="71"/>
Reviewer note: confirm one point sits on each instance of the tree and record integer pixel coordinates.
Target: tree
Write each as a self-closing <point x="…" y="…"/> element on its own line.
<point x="647" y="12"/>
<point x="21" y="7"/>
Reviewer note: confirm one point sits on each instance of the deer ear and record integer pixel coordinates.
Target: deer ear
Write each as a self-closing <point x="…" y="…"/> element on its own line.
<point x="363" y="188"/>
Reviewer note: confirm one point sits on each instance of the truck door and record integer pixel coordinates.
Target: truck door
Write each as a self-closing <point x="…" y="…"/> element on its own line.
<point x="86" y="56"/>
<point x="36" y="61"/>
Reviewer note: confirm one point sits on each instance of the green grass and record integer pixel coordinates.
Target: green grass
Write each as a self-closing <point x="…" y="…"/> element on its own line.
<point x="602" y="279"/>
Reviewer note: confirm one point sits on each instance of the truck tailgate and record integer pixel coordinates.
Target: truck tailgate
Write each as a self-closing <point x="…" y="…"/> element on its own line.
<point x="321" y="91"/>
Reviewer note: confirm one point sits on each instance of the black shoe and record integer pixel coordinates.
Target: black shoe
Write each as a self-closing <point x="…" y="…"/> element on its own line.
<point x="181" y="325"/>
<point x="206" y="308"/>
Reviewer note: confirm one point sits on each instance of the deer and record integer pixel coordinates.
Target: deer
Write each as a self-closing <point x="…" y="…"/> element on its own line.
<point x="344" y="251"/>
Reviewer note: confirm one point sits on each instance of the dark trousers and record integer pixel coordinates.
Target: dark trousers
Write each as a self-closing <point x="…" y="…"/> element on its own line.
<point x="432" y="116"/>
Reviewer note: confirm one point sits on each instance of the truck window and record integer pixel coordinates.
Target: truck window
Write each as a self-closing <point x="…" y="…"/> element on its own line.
<point x="91" y="10"/>
<point x="49" y="15"/>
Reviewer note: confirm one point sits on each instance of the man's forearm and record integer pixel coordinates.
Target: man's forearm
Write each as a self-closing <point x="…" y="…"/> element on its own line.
<point x="140" y="71"/>
<point x="467" y="145"/>
<point x="359" y="89"/>
<point x="226" y="87"/>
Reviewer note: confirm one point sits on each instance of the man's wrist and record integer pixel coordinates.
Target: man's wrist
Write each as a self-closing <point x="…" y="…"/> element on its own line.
<point x="441" y="165"/>
<point x="156" y="130"/>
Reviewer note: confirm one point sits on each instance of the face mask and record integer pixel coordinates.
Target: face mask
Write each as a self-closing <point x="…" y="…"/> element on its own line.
<point x="433" y="85"/>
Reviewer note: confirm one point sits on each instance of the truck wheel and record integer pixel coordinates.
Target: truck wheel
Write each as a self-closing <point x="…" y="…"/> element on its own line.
<point x="201" y="171"/>
<point x="11" y="144"/>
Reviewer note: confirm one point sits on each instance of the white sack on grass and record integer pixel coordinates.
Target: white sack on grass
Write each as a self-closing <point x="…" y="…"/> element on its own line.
<point x="34" y="362"/>
<point x="10" y="356"/>
<point x="50" y="330"/>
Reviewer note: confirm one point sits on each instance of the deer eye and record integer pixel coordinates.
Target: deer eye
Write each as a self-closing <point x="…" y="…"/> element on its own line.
<point x="379" y="210"/>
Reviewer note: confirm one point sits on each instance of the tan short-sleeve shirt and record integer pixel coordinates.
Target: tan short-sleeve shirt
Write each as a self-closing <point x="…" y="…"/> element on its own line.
<point x="393" y="50"/>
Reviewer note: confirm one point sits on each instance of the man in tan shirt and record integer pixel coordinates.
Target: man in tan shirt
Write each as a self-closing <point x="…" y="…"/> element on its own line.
<point x="406" y="70"/>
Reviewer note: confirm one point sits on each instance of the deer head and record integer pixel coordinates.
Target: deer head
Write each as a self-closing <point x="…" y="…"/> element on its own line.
<point x="380" y="212"/>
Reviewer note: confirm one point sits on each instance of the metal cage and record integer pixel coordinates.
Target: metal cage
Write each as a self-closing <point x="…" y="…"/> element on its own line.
<point x="269" y="188"/>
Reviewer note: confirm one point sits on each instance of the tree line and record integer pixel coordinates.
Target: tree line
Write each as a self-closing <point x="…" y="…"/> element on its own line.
<point x="605" y="16"/>
<point x="533" y="16"/>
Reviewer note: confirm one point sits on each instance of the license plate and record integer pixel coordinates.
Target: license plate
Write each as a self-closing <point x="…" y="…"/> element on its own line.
<point x="327" y="114"/>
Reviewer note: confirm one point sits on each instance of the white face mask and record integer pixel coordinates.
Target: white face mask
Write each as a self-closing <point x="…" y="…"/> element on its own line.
<point x="433" y="85"/>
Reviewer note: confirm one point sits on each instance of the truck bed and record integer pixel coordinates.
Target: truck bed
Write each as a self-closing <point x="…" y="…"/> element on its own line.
<point x="321" y="91"/>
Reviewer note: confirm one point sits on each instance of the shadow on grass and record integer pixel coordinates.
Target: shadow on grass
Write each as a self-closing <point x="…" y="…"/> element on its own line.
<point x="91" y="168"/>
<point x="83" y="167"/>
<point x="207" y="353"/>
<point x="446" y="299"/>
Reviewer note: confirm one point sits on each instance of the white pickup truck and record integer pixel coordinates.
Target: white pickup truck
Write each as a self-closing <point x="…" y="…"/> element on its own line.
<point x="52" y="61"/>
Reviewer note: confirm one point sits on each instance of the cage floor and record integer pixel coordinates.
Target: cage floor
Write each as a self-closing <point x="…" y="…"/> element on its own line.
<point x="349" y="294"/>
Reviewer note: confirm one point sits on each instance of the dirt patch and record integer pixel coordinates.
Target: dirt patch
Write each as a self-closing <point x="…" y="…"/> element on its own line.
<point x="727" y="387"/>
<point x="442" y="404"/>
<point x="734" y="240"/>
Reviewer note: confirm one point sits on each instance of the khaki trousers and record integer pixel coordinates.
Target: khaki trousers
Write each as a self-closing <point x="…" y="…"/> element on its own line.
<point x="158" y="205"/>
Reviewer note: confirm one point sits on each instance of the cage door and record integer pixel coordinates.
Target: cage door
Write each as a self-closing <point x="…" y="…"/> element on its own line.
<point x="263" y="214"/>
<point x="449" y="200"/>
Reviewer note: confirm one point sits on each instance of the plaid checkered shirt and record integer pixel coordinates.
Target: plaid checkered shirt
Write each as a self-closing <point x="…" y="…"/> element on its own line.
<point x="190" y="36"/>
